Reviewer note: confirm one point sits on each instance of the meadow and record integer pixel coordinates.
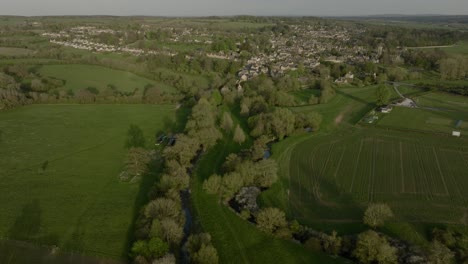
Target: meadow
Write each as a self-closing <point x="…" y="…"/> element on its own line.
<point x="59" y="178"/>
<point x="80" y="76"/>
<point x="8" y="51"/>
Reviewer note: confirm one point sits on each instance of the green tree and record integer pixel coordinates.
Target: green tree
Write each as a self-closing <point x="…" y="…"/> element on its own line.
<point x="376" y="214"/>
<point x="332" y="243"/>
<point x="239" y="136"/>
<point x="383" y="95"/>
<point x="162" y="208"/>
<point x="171" y="231"/>
<point x="135" y="137"/>
<point x="232" y="183"/>
<point x="213" y="185"/>
<point x="372" y="248"/>
<point x="157" y="248"/>
<point x="227" y="122"/>
<point x="206" y="255"/>
<point x="152" y="249"/>
<point x="271" y="219"/>
<point x="440" y="254"/>
<point x="136" y="162"/>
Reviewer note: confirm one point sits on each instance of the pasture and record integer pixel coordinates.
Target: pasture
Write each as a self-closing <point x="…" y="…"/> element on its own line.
<point x="330" y="178"/>
<point x="59" y="178"/>
<point x="79" y="76"/>
<point x="13" y="52"/>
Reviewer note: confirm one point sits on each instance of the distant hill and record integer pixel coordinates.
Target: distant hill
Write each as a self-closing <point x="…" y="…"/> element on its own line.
<point x="439" y="19"/>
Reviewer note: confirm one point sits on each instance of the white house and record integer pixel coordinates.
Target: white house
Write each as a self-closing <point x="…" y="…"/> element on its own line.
<point x="456" y="133"/>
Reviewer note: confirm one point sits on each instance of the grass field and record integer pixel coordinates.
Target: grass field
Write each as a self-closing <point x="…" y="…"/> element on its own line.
<point x="78" y="76"/>
<point x="332" y="177"/>
<point x="437" y="112"/>
<point x="7" y="51"/>
<point x="59" y="177"/>
<point x="327" y="179"/>
<point x="459" y="48"/>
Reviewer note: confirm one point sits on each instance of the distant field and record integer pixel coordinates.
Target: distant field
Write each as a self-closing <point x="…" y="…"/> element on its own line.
<point x="78" y="76"/>
<point x="7" y="51"/>
<point x="59" y="174"/>
<point x="459" y="48"/>
<point x="331" y="178"/>
<point x="438" y="112"/>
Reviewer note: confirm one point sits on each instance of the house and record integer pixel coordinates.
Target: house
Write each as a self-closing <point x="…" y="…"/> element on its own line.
<point x="456" y="133"/>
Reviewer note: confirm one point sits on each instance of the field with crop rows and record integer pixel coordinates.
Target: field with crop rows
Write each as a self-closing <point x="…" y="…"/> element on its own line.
<point x="379" y="166"/>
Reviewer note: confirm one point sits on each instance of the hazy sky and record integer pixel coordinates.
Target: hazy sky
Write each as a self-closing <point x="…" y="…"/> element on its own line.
<point x="231" y="7"/>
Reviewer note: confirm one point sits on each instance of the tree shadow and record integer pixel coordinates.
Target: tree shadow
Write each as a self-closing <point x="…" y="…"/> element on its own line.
<point x="148" y="181"/>
<point x="28" y="224"/>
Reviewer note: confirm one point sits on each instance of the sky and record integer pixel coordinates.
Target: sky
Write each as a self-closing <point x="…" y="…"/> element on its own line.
<point x="232" y="7"/>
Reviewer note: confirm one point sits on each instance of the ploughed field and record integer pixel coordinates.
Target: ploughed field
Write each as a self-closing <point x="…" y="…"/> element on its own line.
<point x="59" y="173"/>
<point x="422" y="177"/>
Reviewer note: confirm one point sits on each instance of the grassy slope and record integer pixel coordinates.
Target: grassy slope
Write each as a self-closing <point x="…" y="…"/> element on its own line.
<point x="82" y="76"/>
<point x="78" y="202"/>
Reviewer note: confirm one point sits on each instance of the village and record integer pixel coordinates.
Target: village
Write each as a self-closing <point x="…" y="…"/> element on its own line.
<point x="309" y="46"/>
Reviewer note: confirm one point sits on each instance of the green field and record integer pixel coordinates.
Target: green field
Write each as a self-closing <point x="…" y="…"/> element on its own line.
<point x="78" y="76"/>
<point x="459" y="48"/>
<point x="332" y="177"/>
<point x="59" y="177"/>
<point x="7" y="51"/>
<point x="437" y="112"/>
<point x="237" y="240"/>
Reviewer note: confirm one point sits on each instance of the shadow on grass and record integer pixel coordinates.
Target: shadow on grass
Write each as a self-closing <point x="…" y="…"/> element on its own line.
<point x="28" y="224"/>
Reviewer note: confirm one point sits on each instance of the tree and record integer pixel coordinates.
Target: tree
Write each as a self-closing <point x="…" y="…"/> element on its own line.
<point x="162" y="208"/>
<point x="213" y="185"/>
<point x="167" y="259"/>
<point x="332" y="243"/>
<point x="157" y="248"/>
<point x="271" y="219"/>
<point x="232" y="183"/>
<point x="206" y="255"/>
<point x="136" y="162"/>
<point x="227" y="122"/>
<point x="202" y="124"/>
<point x="152" y="249"/>
<point x="376" y="215"/>
<point x="383" y="95"/>
<point x="184" y="150"/>
<point x="372" y="248"/>
<point x="440" y="254"/>
<point x="135" y="138"/>
<point x="239" y="136"/>
<point x="171" y="231"/>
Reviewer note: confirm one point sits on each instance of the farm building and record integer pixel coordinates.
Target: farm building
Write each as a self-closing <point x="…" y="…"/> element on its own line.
<point x="456" y="133"/>
<point x="386" y="109"/>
